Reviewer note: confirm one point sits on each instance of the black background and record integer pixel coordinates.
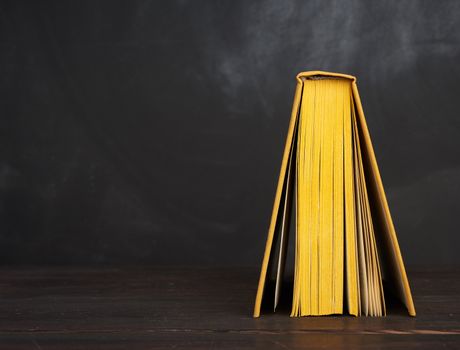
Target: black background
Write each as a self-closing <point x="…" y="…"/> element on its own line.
<point x="152" y="131"/>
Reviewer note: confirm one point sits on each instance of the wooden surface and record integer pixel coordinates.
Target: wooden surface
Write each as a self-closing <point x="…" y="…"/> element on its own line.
<point x="160" y="308"/>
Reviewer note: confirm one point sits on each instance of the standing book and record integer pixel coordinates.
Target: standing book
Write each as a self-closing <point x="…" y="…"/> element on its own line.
<point x="331" y="193"/>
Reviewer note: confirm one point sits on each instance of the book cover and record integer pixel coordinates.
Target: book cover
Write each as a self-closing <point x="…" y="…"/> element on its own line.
<point x="346" y="254"/>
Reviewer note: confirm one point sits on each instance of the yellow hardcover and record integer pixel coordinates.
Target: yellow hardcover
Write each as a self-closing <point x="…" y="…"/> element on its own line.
<point x="389" y="233"/>
<point x="330" y="166"/>
<point x="276" y="204"/>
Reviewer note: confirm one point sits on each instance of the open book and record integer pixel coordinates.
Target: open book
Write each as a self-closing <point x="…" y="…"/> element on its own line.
<point x="345" y="241"/>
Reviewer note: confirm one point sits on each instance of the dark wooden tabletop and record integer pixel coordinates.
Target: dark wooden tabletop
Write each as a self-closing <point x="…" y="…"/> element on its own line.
<point x="198" y="308"/>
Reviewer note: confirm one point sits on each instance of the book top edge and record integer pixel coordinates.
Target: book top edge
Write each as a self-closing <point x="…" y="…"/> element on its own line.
<point x="317" y="74"/>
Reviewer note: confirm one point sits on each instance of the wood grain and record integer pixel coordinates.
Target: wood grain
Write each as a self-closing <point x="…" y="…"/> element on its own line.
<point x="201" y="308"/>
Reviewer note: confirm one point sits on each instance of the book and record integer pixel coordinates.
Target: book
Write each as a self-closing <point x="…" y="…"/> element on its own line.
<point x="346" y="255"/>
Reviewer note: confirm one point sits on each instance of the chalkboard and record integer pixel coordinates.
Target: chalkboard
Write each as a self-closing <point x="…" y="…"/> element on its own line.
<point x="152" y="131"/>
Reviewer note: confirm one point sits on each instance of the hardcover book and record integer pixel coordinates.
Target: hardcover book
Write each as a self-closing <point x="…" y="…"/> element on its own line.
<point x="346" y="255"/>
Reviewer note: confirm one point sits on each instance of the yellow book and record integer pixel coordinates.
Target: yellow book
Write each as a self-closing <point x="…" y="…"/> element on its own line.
<point x="345" y="242"/>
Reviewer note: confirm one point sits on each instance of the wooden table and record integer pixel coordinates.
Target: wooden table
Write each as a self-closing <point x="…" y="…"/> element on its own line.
<point x="201" y="308"/>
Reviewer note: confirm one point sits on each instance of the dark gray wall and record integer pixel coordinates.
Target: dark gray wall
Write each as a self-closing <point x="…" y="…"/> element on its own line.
<point x="152" y="131"/>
